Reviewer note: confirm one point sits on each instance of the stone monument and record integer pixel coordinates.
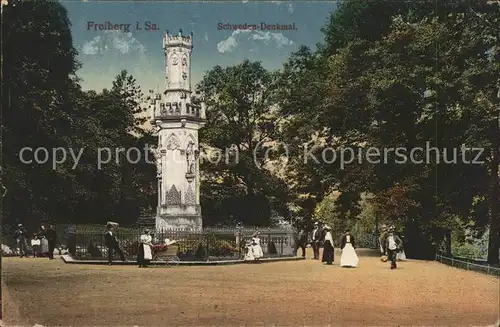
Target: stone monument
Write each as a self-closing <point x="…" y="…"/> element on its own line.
<point x="178" y="121"/>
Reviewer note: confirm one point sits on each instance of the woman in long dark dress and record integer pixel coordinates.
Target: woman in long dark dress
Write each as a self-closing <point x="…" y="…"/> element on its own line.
<point x="328" y="255"/>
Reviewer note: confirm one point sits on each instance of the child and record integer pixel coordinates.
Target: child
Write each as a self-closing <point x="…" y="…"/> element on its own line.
<point x="35" y="244"/>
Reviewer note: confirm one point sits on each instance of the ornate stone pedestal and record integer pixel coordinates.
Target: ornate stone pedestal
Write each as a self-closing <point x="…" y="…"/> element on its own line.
<point x="179" y="222"/>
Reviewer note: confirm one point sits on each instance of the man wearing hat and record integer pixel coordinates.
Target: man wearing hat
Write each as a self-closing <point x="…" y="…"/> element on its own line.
<point x="392" y="245"/>
<point x="21" y="233"/>
<point x="112" y="244"/>
<point x="316" y="240"/>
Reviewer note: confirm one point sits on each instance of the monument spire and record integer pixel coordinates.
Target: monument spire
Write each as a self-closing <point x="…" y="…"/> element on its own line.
<point x="178" y="121"/>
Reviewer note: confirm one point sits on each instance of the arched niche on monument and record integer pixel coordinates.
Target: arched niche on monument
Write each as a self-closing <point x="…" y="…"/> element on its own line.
<point x="189" y="138"/>
<point x="173" y="142"/>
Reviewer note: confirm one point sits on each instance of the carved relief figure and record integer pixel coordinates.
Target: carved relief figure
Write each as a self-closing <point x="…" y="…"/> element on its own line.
<point x="190" y="198"/>
<point x="184" y="61"/>
<point x="173" y="142"/>
<point x="175" y="60"/>
<point x="190" y="157"/>
<point x="157" y="155"/>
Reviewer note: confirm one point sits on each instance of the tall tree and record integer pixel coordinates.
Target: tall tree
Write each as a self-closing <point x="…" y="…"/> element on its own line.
<point x="38" y="85"/>
<point x="241" y="126"/>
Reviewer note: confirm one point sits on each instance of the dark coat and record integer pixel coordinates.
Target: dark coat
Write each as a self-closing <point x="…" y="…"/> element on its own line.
<point x="318" y="235"/>
<point x="110" y="240"/>
<point x="21" y="232"/>
<point x="343" y="241"/>
<point x="51" y="235"/>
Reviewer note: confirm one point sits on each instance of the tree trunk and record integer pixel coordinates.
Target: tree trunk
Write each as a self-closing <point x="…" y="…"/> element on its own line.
<point x="494" y="237"/>
<point x="448" y="242"/>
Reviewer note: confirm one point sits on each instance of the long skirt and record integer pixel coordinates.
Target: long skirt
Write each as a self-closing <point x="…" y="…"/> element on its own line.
<point x="349" y="258"/>
<point x="257" y="251"/>
<point x="249" y="255"/>
<point x="328" y="253"/>
<point x="144" y="255"/>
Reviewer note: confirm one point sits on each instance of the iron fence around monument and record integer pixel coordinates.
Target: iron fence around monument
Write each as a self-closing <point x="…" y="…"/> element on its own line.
<point x="210" y="244"/>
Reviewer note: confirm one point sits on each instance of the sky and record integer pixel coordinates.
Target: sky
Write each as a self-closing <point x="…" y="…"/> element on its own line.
<point x="105" y="53"/>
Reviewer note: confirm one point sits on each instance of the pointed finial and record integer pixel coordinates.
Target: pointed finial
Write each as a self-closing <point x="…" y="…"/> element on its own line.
<point x="180" y="31"/>
<point x="192" y="34"/>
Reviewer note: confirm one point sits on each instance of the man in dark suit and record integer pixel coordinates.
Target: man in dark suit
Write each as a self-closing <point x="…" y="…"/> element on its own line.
<point x="51" y="236"/>
<point x="316" y="239"/>
<point x="21" y="233"/>
<point x="302" y="241"/>
<point x="112" y="245"/>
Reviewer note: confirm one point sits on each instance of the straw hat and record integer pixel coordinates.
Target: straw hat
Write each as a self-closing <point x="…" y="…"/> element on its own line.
<point x="326" y="227"/>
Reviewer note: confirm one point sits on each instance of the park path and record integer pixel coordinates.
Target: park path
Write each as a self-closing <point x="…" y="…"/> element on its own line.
<point x="286" y="294"/>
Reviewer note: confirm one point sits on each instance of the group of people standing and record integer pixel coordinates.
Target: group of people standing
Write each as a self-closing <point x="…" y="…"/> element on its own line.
<point x="43" y="241"/>
<point x="322" y="237"/>
<point x="391" y="246"/>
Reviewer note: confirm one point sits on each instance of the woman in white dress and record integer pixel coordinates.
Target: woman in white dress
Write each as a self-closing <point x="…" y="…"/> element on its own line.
<point x="349" y="258"/>
<point x="249" y="255"/>
<point x="256" y="247"/>
<point x="144" y="253"/>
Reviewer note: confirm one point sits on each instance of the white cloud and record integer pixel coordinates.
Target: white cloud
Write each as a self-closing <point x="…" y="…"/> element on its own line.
<point x="290" y="8"/>
<point x="113" y="40"/>
<point x="231" y="43"/>
<point x="206" y="36"/>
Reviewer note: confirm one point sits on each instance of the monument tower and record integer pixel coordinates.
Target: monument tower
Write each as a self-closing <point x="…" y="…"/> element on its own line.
<point x="178" y="121"/>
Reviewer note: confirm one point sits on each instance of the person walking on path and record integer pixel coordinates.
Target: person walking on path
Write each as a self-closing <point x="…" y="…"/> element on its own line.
<point x="381" y="241"/>
<point x="112" y="244"/>
<point x="302" y="241"/>
<point x="21" y="233"/>
<point x="349" y="258"/>
<point x="392" y="245"/>
<point x="144" y="253"/>
<point x="316" y="240"/>
<point x="328" y="250"/>
<point x="51" y="236"/>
